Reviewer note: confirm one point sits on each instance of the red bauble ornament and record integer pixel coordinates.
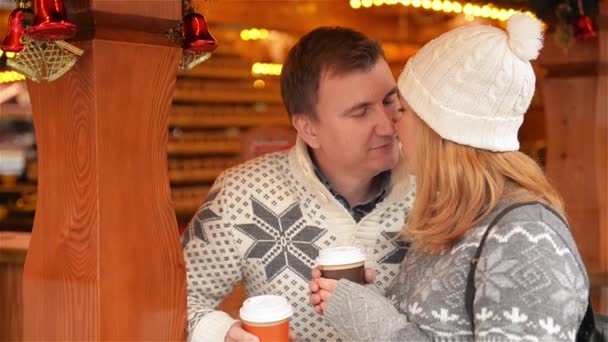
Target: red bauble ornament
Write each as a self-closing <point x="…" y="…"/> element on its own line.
<point x="584" y="28"/>
<point x="12" y="41"/>
<point x="196" y="38"/>
<point x="51" y="22"/>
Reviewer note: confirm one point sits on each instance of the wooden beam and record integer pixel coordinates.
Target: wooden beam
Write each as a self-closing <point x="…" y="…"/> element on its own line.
<point x="105" y="260"/>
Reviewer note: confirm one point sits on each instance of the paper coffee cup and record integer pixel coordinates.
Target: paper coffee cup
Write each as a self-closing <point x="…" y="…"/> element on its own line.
<point x="347" y="262"/>
<point x="267" y="317"/>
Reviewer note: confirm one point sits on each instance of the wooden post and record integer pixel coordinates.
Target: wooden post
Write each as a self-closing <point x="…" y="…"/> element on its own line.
<point x="575" y="96"/>
<point x="105" y="260"/>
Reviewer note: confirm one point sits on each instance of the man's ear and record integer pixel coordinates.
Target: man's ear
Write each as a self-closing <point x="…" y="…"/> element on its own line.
<point x="307" y="129"/>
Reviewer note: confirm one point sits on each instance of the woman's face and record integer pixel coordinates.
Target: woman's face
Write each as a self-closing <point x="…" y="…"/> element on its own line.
<point x="406" y="129"/>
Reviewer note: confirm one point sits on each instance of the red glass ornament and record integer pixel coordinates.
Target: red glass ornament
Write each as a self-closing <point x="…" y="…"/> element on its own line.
<point x="195" y="35"/>
<point x="12" y="41"/>
<point x="51" y="22"/>
<point x="584" y="28"/>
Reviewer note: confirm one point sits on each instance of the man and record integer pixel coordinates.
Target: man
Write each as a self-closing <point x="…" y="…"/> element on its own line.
<point x="265" y="221"/>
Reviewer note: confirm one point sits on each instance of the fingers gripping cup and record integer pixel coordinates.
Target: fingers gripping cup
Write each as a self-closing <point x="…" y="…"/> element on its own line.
<point x="346" y="262"/>
<point x="267" y="317"/>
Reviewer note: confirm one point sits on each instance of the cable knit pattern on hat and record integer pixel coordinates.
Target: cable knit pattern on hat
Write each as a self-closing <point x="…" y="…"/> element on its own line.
<point x="472" y="85"/>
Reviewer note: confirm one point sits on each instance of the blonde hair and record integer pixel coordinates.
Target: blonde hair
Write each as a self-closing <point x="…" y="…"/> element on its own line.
<point x="458" y="186"/>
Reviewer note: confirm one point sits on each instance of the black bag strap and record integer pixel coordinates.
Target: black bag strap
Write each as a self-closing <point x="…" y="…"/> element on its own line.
<point x="588" y="322"/>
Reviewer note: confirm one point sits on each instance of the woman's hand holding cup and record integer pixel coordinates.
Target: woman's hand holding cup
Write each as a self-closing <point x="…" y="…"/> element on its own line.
<point x="336" y="263"/>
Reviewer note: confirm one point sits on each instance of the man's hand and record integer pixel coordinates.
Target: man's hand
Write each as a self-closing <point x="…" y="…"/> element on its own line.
<point x="237" y="334"/>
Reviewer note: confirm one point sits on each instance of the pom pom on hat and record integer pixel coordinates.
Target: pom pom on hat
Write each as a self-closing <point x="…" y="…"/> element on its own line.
<point x="525" y="36"/>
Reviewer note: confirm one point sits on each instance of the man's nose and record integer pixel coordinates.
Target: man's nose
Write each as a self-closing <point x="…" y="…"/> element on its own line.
<point x="386" y="122"/>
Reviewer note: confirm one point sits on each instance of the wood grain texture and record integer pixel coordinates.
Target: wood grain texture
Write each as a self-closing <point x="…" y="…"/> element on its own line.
<point x="61" y="271"/>
<point x="577" y="121"/>
<point x="167" y="9"/>
<point x="601" y="155"/>
<point x="13" y="249"/>
<point x="124" y="28"/>
<point x="571" y="158"/>
<point x="105" y="261"/>
<point x="232" y="303"/>
<point x="141" y="271"/>
<point x="11" y="306"/>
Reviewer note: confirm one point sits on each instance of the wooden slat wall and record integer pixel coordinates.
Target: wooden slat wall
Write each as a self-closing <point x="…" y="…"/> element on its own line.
<point x="575" y="92"/>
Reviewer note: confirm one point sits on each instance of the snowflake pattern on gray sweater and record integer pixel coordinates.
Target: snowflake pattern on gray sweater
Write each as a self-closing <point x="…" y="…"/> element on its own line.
<point x="530" y="280"/>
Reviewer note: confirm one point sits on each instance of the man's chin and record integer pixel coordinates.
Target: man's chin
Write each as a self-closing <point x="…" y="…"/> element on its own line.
<point x="388" y="163"/>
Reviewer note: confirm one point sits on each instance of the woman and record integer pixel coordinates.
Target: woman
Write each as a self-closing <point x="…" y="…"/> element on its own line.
<point x="465" y="94"/>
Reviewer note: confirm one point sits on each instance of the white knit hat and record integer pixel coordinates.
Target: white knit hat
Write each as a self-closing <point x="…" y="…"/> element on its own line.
<point x="472" y="85"/>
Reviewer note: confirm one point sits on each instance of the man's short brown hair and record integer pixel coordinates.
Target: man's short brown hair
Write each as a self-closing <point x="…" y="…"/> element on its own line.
<point x="327" y="49"/>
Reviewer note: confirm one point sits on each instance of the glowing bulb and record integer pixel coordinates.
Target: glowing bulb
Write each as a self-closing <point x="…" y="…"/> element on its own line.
<point x="437" y="5"/>
<point x="254" y="34"/>
<point x="476" y="11"/>
<point x="416" y="3"/>
<point x="378" y="2"/>
<point x="245" y="34"/>
<point x="447" y="6"/>
<point x="503" y="15"/>
<point x="457" y="7"/>
<point x="355" y="4"/>
<point x="263" y="33"/>
<point x="259" y="84"/>
<point x="10" y="54"/>
<point x="485" y="11"/>
<point x="426" y="4"/>
<point x="367" y="3"/>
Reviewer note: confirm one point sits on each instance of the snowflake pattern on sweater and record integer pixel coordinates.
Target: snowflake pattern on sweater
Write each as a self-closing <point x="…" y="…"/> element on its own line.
<point x="531" y="285"/>
<point x="264" y="223"/>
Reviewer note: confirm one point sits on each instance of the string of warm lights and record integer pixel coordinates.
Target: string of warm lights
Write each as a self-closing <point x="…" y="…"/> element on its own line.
<point x="470" y="10"/>
<point x="254" y="34"/>
<point x="266" y="69"/>
<point x="10" y="76"/>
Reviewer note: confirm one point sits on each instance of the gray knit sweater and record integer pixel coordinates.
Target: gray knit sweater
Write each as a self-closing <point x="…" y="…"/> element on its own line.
<point x="531" y="286"/>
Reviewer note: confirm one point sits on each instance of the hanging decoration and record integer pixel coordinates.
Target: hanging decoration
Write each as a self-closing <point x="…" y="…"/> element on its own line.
<point x="572" y="21"/>
<point x="45" y="60"/>
<point x="584" y="25"/>
<point x="194" y="37"/>
<point x="51" y="22"/>
<point x="19" y="17"/>
<point x="567" y="21"/>
<point x="35" y="46"/>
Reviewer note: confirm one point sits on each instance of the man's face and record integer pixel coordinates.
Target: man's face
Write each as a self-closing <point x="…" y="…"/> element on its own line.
<point x="355" y="126"/>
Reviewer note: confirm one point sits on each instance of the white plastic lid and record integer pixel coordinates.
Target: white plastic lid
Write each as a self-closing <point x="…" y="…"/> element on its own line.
<point x="343" y="255"/>
<point x="265" y="309"/>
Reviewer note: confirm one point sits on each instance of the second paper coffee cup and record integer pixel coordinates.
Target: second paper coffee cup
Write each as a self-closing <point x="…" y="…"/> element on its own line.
<point x="345" y="262"/>
<point x="267" y="317"/>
